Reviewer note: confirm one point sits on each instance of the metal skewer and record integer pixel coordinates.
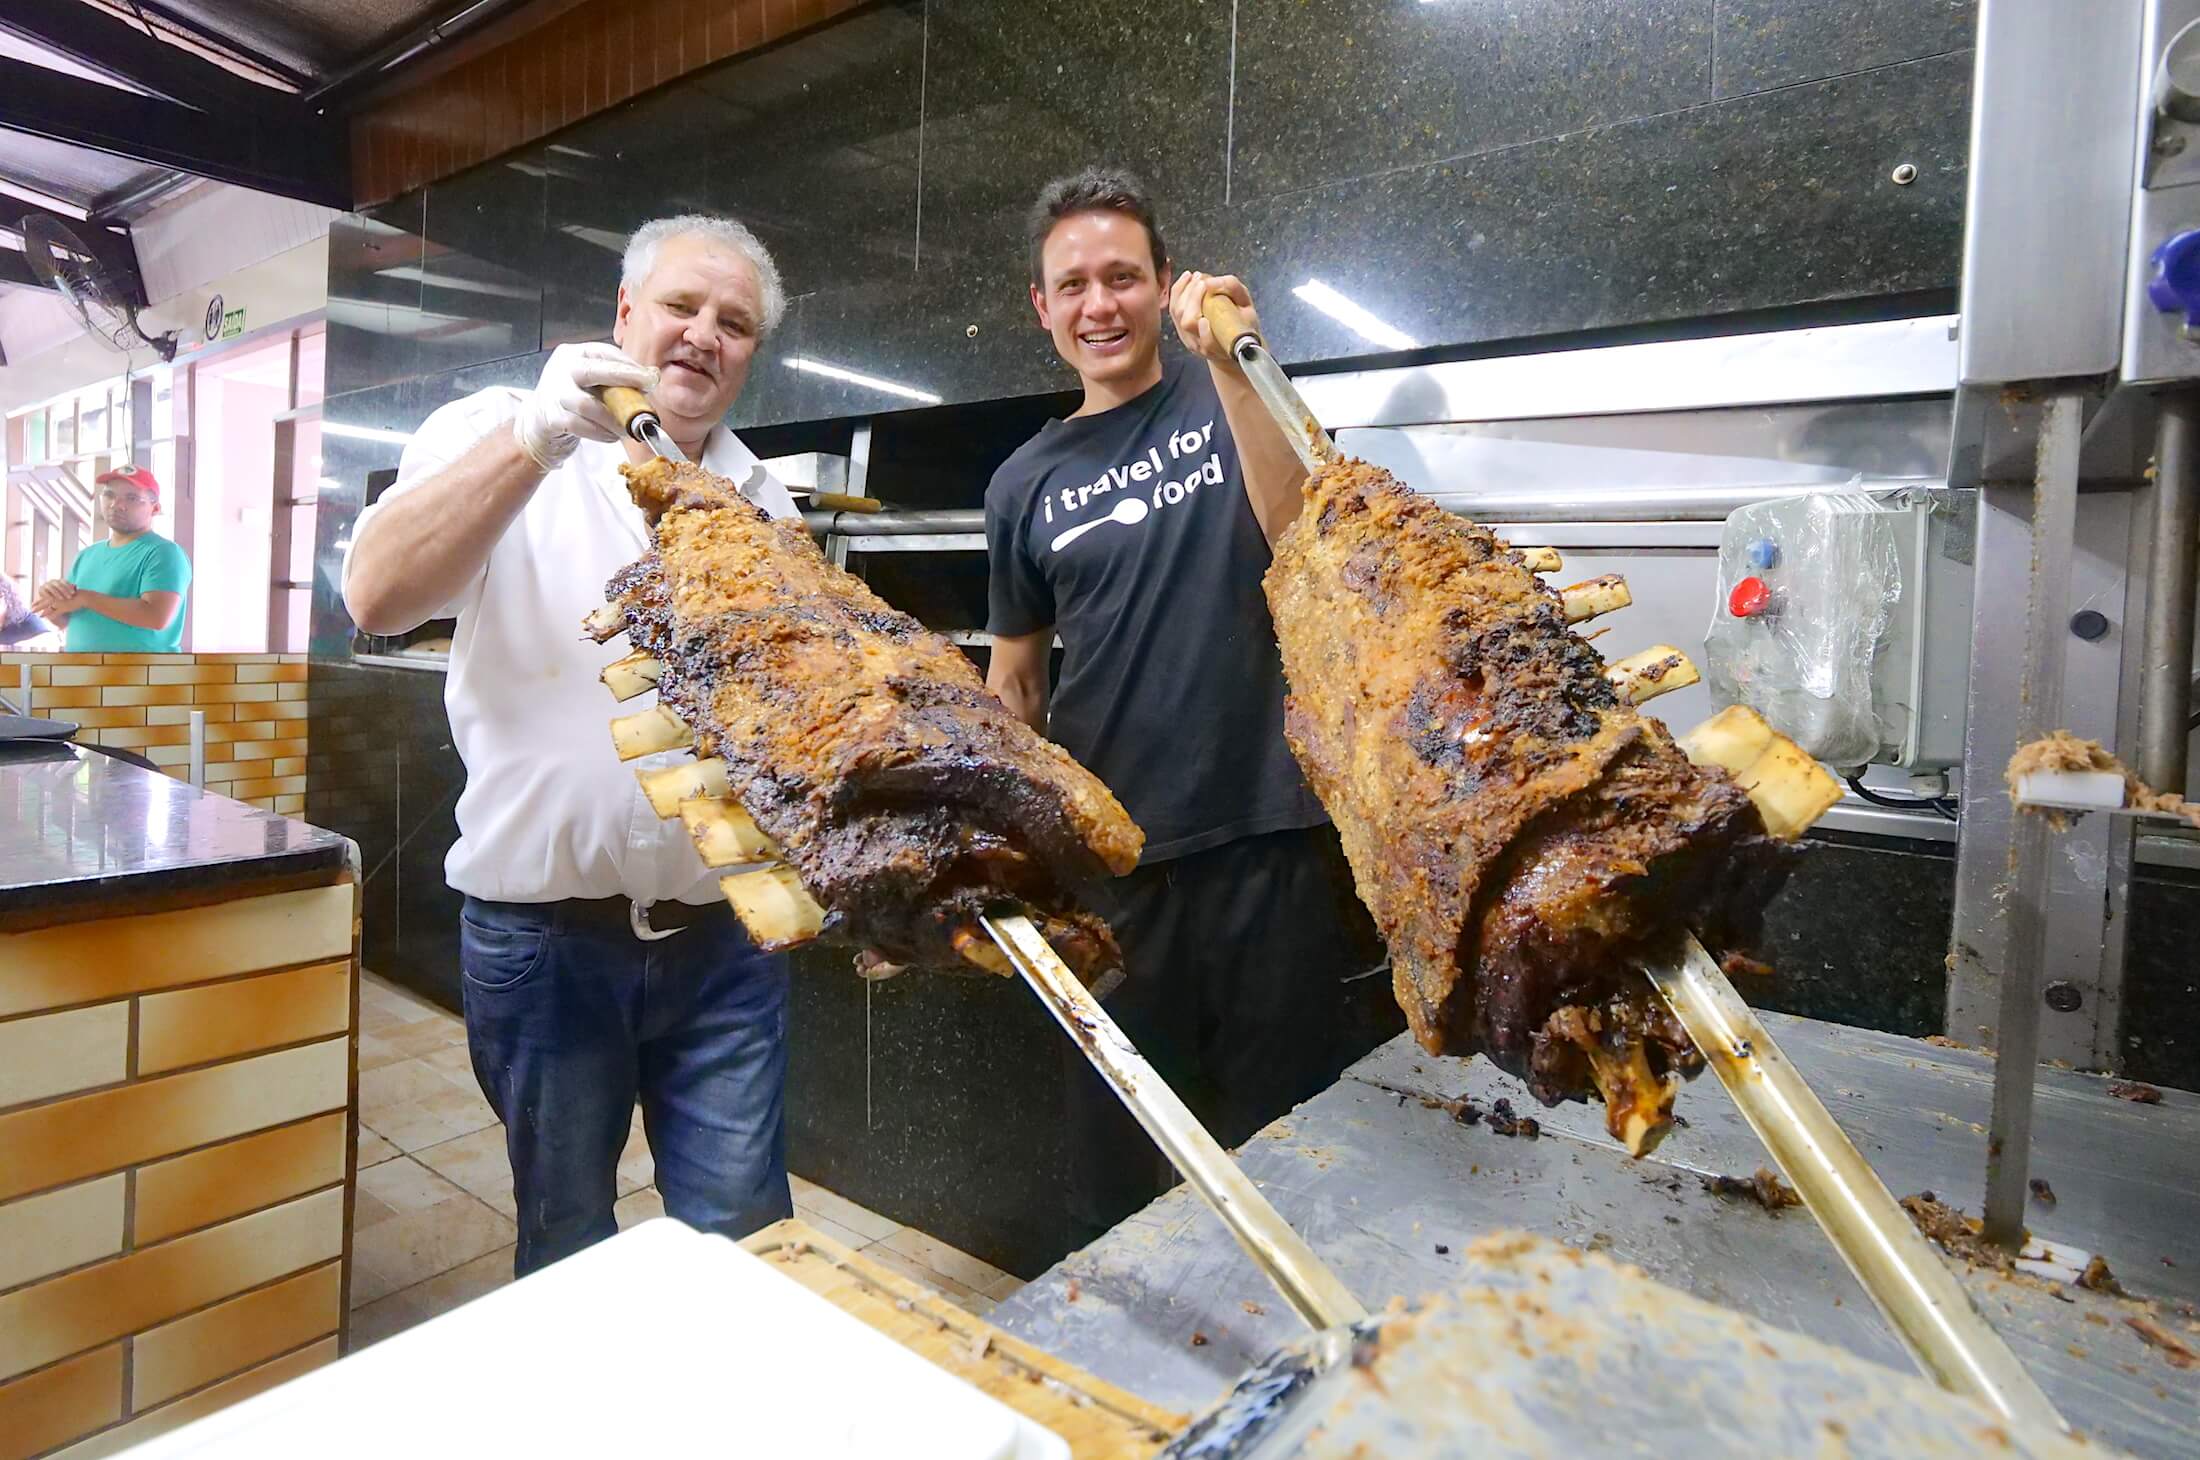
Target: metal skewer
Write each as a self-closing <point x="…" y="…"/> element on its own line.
<point x="1928" y="1309"/>
<point x="1921" y="1299"/>
<point x="1303" y="1278"/>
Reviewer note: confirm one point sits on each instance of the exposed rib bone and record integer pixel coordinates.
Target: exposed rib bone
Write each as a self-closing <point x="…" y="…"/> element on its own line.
<point x="774" y="906"/>
<point x="1541" y="559"/>
<point x="1791" y="790"/>
<point x="1659" y="669"/>
<point x="980" y="950"/>
<point x="666" y="788"/>
<point x="604" y="623"/>
<point x="649" y="732"/>
<point x="1597" y="595"/>
<point x="633" y="675"/>
<point x="725" y="833"/>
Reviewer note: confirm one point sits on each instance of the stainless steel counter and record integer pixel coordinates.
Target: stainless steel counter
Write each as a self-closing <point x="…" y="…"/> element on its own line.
<point x="1390" y="1190"/>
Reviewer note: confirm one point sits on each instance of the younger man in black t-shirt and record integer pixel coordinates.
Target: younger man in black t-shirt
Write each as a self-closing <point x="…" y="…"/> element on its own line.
<point x="1138" y="529"/>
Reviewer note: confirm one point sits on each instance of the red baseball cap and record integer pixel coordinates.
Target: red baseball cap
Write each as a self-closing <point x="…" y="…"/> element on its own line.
<point x="136" y="476"/>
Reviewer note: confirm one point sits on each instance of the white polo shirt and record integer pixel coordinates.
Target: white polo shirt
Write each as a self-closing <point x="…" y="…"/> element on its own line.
<point x="549" y="810"/>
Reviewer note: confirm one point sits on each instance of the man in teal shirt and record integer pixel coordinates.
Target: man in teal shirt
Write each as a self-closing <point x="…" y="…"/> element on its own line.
<point x="124" y="595"/>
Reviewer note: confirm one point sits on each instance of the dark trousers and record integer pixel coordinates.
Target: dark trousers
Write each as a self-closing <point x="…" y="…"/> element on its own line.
<point x="570" y="1022"/>
<point x="1238" y="965"/>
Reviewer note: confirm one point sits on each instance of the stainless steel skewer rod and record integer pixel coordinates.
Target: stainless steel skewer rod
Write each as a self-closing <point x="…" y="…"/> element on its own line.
<point x="1269" y="382"/>
<point x="1303" y="1278"/>
<point x="1927" y="1307"/>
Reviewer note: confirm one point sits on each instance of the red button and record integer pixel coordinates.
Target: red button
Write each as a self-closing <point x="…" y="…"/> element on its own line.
<point x="1749" y="598"/>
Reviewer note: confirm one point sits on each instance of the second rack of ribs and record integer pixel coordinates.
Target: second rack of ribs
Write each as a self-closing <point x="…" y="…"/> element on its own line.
<point x="1518" y="832"/>
<point x="906" y="796"/>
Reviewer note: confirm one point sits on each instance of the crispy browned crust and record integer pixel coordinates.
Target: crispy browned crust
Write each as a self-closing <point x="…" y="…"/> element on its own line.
<point x="1517" y="832"/>
<point x="904" y="794"/>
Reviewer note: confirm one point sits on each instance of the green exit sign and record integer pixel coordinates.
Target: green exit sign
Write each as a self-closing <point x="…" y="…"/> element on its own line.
<point x="232" y="323"/>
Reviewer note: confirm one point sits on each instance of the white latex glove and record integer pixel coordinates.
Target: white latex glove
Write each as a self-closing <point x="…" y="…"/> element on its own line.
<point x="563" y="409"/>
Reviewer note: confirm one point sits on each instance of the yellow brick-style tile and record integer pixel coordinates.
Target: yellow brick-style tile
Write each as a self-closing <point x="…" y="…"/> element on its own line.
<point x="270" y="786"/>
<point x="106" y="717"/>
<point x="191" y="674"/>
<point x="292" y="658"/>
<point x="293" y="691"/>
<point x="104" y="674"/>
<point x="139" y="658"/>
<point x="146" y="694"/>
<point x="65" y="699"/>
<point x="166" y="755"/>
<point x="181" y="714"/>
<point x="42" y="1235"/>
<point x="52" y="1054"/>
<point x="271" y="674"/>
<point x="66" y="1314"/>
<point x="243" y="1175"/>
<point x="263" y="803"/>
<point x="81" y="963"/>
<point x="267" y="749"/>
<point x="131" y="737"/>
<point x="230" y="694"/>
<point x="288" y="710"/>
<point x="244" y="729"/>
<point x="197" y="1406"/>
<point x="60" y="1403"/>
<point x="192" y="1026"/>
<point x="290" y="805"/>
<point x="289" y="765"/>
<point x="236" y="658"/>
<point x="67" y="1140"/>
<point x="230" y="1337"/>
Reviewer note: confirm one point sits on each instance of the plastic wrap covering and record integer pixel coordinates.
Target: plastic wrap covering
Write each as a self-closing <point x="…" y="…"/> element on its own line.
<point x="1806" y="588"/>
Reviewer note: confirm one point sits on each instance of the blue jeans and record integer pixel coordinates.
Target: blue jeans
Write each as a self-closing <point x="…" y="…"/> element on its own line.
<point x="570" y="1022"/>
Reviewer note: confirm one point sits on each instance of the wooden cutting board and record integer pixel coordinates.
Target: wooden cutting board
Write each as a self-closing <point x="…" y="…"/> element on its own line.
<point x="1098" y="1420"/>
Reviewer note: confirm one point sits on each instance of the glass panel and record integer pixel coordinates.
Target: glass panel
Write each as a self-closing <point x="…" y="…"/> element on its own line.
<point x="312" y="365"/>
<point x="64" y="430"/>
<point x="301" y="543"/>
<point x="34" y="437"/>
<point x="301" y="618"/>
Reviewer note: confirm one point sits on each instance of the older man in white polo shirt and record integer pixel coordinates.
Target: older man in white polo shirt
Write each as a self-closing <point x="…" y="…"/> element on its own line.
<point x="600" y="964"/>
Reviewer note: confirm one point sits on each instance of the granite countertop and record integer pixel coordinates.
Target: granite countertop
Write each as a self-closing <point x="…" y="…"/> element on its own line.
<point x="76" y="825"/>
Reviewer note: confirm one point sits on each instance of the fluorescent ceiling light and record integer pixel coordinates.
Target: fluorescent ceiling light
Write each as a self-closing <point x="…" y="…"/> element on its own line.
<point x="414" y="274"/>
<point x="364" y="433"/>
<point x="44" y="200"/>
<point x="603" y="238"/>
<point x="1353" y="317"/>
<point x="835" y="372"/>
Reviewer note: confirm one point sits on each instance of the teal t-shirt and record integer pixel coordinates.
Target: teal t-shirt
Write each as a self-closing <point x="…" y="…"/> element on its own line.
<point x="146" y="564"/>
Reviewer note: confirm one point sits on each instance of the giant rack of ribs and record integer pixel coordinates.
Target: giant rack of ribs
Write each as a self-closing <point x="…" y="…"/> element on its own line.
<point x="1519" y="831"/>
<point x="850" y="764"/>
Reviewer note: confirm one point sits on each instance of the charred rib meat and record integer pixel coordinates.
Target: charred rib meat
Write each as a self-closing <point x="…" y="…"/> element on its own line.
<point x="1517" y="831"/>
<point x="878" y="769"/>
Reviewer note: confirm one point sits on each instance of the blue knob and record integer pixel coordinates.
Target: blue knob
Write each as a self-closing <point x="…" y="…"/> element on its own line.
<point x="1764" y="553"/>
<point x="2175" y="283"/>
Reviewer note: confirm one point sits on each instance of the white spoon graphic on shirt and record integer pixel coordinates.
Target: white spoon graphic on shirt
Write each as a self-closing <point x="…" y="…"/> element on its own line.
<point x="1128" y="511"/>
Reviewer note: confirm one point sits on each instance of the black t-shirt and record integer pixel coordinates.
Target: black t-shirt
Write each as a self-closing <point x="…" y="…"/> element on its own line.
<point x="1130" y="533"/>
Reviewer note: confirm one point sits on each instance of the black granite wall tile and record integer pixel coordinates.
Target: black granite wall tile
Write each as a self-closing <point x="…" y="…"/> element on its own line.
<point x="482" y="267"/>
<point x="2162" y="980"/>
<point x="1345" y="88"/>
<point x="1782" y="198"/>
<point x="374" y="295"/>
<point x="1886" y="971"/>
<point x="1766" y="43"/>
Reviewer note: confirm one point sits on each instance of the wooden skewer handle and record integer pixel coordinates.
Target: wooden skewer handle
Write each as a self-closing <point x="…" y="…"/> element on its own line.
<point x="1227" y="321"/>
<point x="625" y="403"/>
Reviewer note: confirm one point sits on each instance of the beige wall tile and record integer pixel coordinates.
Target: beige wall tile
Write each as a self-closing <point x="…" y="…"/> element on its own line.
<point x="292" y="658"/>
<point x="192" y="1026"/>
<point x="52" y="1054"/>
<point x="166" y="755"/>
<point x="63" y="699"/>
<point x="289" y="765"/>
<point x="292" y="691"/>
<point x="64" y="674"/>
<point x="181" y="715"/>
<point x="290" y="805"/>
<point x="73" y="1312"/>
<point x="78" y="963"/>
<point x="230" y="694"/>
<point x="243" y="1175"/>
<point x="207" y="1401"/>
<point x="40" y="1235"/>
<point x="136" y="658"/>
<point x="268" y="749"/>
<point x="60" y="1403"/>
<point x="243" y="729"/>
<point x="271" y="674"/>
<point x="226" y="658"/>
<point x="137" y="735"/>
<point x="263" y="803"/>
<point x="144" y="694"/>
<point x="52" y="1145"/>
<point x="103" y="716"/>
<point x="245" y="790"/>
<point x="288" y="710"/>
<point x="230" y="1337"/>
<point x="191" y="674"/>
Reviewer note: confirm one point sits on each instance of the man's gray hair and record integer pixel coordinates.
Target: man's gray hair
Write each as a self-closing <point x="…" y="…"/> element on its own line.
<point x="642" y="248"/>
